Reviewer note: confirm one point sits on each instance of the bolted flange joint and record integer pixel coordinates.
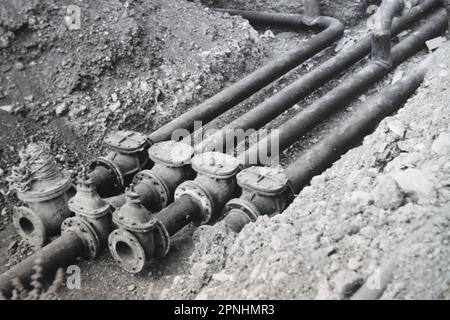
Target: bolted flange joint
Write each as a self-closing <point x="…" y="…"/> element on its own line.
<point x="265" y="191"/>
<point x="139" y="236"/>
<point x="214" y="185"/>
<point x="127" y="156"/>
<point x="45" y="195"/>
<point x="88" y="205"/>
<point x="171" y="167"/>
<point x="85" y="231"/>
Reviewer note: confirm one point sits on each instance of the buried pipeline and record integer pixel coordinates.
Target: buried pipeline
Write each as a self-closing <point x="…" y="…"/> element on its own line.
<point x="142" y="235"/>
<point x="128" y="153"/>
<point x="133" y="153"/>
<point x="85" y="234"/>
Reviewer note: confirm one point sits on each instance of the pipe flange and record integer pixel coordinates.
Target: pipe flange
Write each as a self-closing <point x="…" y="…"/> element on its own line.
<point x="154" y="182"/>
<point x="248" y="208"/>
<point x="127" y="251"/>
<point x="200" y="195"/>
<point x="86" y="233"/>
<point x="41" y="195"/>
<point x="105" y="162"/>
<point x="164" y="240"/>
<point x="29" y="226"/>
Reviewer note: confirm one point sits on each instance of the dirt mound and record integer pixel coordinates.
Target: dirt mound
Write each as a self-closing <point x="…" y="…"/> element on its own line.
<point x="127" y="60"/>
<point x="387" y="199"/>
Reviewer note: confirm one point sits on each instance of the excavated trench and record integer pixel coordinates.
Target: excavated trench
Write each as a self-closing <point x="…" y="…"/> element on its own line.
<point x="184" y="259"/>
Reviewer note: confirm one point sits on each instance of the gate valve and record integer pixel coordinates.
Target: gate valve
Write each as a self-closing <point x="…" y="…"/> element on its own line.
<point x="45" y="196"/>
<point x="171" y="168"/>
<point x="139" y="236"/>
<point x="87" y="205"/>
<point x="214" y="185"/>
<point x="127" y="156"/>
<point x="264" y="192"/>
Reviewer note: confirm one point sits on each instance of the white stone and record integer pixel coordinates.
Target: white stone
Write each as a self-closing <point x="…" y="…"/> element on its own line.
<point x="414" y="183"/>
<point x="441" y="145"/>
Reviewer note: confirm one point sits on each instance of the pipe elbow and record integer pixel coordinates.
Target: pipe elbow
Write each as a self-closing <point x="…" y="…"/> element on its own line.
<point x="389" y="9"/>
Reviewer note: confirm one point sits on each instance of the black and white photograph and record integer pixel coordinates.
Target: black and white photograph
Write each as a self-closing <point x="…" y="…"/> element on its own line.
<point x="193" y="152"/>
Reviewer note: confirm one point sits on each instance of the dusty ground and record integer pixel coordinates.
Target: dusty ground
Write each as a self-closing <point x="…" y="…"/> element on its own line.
<point x="130" y="66"/>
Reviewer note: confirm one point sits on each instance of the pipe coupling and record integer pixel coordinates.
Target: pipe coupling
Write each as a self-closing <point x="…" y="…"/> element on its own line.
<point x="381" y="47"/>
<point x="127" y="155"/>
<point x="85" y="231"/>
<point x="264" y="192"/>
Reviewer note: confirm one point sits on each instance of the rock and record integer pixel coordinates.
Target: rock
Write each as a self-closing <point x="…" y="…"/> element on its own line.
<point x="369" y="232"/>
<point x="222" y="277"/>
<point x="2" y="172"/>
<point x="346" y="283"/>
<point x="441" y="145"/>
<point x="61" y="109"/>
<point x="19" y="66"/>
<point x="131" y="287"/>
<point x="114" y="106"/>
<point x="387" y="194"/>
<point x="4" y="42"/>
<point x="397" y="127"/>
<point x="354" y="263"/>
<point x="359" y="200"/>
<point x="414" y="183"/>
<point x="7" y="108"/>
<point x="29" y="98"/>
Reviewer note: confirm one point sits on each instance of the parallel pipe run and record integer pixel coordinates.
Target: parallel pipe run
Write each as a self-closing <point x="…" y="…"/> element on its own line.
<point x="289" y="96"/>
<point x="262" y="77"/>
<point x="296" y="127"/>
<point x="322" y="155"/>
<point x="254" y="202"/>
<point x="75" y="242"/>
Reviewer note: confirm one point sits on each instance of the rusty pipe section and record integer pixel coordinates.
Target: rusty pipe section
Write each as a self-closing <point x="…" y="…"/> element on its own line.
<point x="84" y="235"/>
<point x="142" y="236"/>
<point x="382" y="34"/>
<point x="260" y="78"/>
<point x="289" y="96"/>
<point x="296" y="127"/>
<point x="257" y="181"/>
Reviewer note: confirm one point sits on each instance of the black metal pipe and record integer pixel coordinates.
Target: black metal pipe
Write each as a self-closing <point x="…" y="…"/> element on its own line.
<point x="179" y="214"/>
<point x="296" y="127"/>
<point x="366" y="118"/>
<point x="241" y="90"/>
<point x="289" y="96"/>
<point x="381" y="35"/>
<point x="58" y="254"/>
